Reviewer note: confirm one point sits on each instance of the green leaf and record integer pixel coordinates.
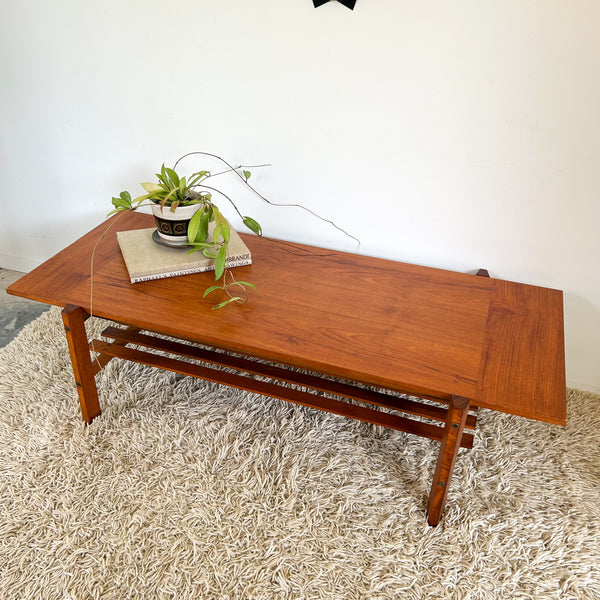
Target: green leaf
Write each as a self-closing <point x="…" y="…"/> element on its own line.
<point x="253" y="225"/>
<point x="198" y="246"/>
<point x="122" y="202"/>
<point x="220" y="261"/>
<point x="194" y="226"/>
<point x="152" y="188"/>
<point x="119" y="202"/>
<point x="223" y="228"/>
<point x="195" y="177"/>
<point x="247" y="283"/>
<point x="208" y="253"/>
<point x="222" y="304"/>
<point x="226" y="231"/>
<point x="163" y="175"/>
<point x="140" y="199"/>
<point x="203" y="231"/>
<point x="173" y="177"/>
<point x="126" y="196"/>
<point x="158" y="197"/>
<point x="212" y="288"/>
<point x="167" y="197"/>
<point x="182" y="186"/>
<point x="216" y="234"/>
<point x="247" y="175"/>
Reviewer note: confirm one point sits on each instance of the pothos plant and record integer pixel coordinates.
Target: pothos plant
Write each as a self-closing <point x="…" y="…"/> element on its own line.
<point x="171" y="190"/>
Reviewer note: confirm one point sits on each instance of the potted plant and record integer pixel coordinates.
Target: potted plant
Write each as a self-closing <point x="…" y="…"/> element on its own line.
<point x="186" y="215"/>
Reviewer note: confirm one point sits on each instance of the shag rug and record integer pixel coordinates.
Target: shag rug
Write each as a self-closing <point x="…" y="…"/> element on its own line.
<point x="187" y="489"/>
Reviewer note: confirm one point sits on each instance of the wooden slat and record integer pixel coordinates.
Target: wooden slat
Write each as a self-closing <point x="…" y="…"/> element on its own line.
<point x="296" y="396"/>
<point x="315" y="382"/>
<point x="100" y="361"/>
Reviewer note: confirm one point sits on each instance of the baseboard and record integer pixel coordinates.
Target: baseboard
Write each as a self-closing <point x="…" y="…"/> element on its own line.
<point x="15" y="263"/>
<point x="584" y="387"/>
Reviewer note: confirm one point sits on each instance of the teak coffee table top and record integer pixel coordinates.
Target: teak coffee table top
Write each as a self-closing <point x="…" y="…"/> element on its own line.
<point x="408" y="328"/>
<point x="404" y="327"/>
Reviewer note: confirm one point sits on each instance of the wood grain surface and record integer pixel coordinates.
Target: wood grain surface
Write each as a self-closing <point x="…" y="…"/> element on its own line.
<point x="523" y="364"/>
<point x="374" y="321"/>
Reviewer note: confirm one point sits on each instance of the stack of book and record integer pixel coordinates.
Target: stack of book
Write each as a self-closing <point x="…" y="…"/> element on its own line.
<point x="146" y="259"/>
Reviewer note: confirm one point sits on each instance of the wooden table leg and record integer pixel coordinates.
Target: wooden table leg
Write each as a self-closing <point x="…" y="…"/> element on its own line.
<point x="74" y="318"/>
<point x="450" y="444"/>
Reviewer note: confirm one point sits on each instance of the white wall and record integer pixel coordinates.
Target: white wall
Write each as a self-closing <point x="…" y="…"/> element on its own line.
<point x="455" y="134"/>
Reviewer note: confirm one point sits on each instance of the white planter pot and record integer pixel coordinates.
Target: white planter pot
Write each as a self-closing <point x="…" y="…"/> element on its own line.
<point x="172" y="226"/>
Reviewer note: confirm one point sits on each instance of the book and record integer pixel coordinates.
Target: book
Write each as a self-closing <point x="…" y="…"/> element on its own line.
<point x="146" y="260"/>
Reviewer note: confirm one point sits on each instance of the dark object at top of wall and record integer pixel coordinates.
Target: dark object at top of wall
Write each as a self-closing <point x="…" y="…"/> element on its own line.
<point x="347" y="3"/>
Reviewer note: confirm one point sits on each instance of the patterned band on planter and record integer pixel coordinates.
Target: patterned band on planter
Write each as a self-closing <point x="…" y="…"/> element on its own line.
<point x="171" y="227"/>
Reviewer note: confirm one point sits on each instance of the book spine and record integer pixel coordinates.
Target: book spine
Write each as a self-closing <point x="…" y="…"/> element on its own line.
<point x="236" y="261"/>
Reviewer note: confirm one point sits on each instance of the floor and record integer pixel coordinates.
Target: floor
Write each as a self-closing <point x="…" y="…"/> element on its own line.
<point x="15" y="312"/>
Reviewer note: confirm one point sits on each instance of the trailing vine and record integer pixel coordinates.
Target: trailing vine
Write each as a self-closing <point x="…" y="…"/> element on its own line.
<point x="171" y="190"/>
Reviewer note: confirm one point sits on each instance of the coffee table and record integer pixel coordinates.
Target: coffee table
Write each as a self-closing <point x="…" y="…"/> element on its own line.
<point x="351" y="332"/>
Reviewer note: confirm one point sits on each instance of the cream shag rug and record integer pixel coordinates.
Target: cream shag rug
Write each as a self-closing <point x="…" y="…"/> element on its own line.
<point x="185" y="489"/>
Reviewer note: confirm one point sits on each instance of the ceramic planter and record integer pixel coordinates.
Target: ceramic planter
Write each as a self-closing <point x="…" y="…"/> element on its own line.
<point x="172" y="226"/>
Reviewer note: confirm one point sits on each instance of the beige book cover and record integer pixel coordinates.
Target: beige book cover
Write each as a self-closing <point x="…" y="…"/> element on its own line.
<point x="146" y="260"/>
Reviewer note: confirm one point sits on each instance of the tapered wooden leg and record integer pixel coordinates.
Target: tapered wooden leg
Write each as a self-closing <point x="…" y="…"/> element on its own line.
<point x="455" y="423"/>
<point x="74" y="318"/>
